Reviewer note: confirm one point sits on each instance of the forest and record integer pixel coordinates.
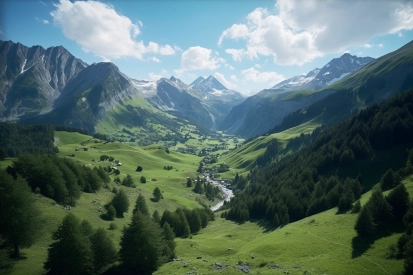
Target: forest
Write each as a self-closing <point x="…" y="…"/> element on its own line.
<point x="307" y="182"/>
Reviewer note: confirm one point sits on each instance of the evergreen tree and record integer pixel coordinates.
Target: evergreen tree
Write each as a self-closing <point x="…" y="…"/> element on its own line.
<point x="365" y="225"/>
<point x="120" y="202"/>
<point x="356" y="207"/>
<point x="71" y="252"/>
<point x="156" y="217"/>
<point x="387" y="181"/>
<point x="398" y="198"/>
<point x="157" y="194"/>
<point x="128" y="181"/>
<point x="103" y="249"/>
<point x="169" y="243"/>
<point x="110" y="212"/>
<point x="198" y="188"/>
<point x="141" y="246"/>
<point x="141" y="205"/>
<point x="143" y="179"/>
<point x="20" y="222"/>
<point x="188" y="182"/>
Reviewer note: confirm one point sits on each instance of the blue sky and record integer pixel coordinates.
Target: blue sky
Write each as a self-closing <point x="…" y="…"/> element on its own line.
<point x="247" y="45"/>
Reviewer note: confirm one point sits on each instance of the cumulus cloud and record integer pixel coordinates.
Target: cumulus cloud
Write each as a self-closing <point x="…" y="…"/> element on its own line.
<point x="254" y="75"/>
<point x="199" y="58"/>
<point x="299" y="31"/>
<point x="99" y="29"/>
<point x="221" y="78"/>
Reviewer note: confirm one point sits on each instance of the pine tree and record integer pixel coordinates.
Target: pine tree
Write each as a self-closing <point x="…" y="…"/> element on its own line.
<point x="120" y="202"/>
<point x="365" y="225"/>
<point x="188" y="182"/>
<point x="71" y="252"/>
<point x="169" y="243"/>
<point x="141" y="205"/>
<point x="398" y="198"/>
<point x="141" y="246"/>
<point x="103" y="250"/>
<point x="20" y="221"/>
<point x="157" y="194"/>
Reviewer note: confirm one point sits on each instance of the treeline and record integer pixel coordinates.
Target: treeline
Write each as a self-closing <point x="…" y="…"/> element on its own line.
<point x="16" y="139"/>
<point x="306" y="183"/>
<point x="60" y="179"/>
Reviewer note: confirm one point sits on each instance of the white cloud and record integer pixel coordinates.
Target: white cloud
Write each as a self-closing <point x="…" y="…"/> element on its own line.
<point x="221" y="78"/>
<point x="299" y="31"/>
<point x="236" y="31"/>
<point x="400" y="34"/>
<point x="234" y="77"/>
<point x="99" y="29"/>
<point x="45" y="21"/>
<point x="154" y="59"/>
<point x="257" y="66"/>
<point x="254" y="75"/>
<point x="380" y="45"/>
<point x="199" y="58"/>
<point x="368" y="46"/>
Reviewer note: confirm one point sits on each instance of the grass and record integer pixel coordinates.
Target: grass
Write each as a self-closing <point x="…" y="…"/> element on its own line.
<point x="319" y="244"/>
<point x="242" y="160"/>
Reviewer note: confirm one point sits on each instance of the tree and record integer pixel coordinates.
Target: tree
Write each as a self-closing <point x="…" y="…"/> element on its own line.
<point x="356" y="207"/>
<point x="128" y="181"/>
<point x="143" y="179"/>
<point x="139" y="169"/>
<point x="20" y="222"/>
<point x="398" y="198"/>
<point x="156" y="217"/>
<point x="141" y="246"/>
<point x="141" y="205"/>
<point x="387" y="181"/>
<point x="120" y="202"/>
<point x="169" y="243"/>
<point x="365" y="225"/>
<point x="104" y="252"/>
<point x="71" y="252"/>
<point x="110" y="212"/>
<point x="157" y="195"/>
<point x="188" y="182"/>
<point x="198" y="188"/>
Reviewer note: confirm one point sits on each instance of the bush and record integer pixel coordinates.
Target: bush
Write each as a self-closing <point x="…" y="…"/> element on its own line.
<point x="110" y="212"/>
<point x="112" y="226"/>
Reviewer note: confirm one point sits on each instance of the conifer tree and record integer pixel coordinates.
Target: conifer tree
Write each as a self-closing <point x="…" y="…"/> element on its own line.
<point x="141" y="205"/>
<point x="365" y="225"/>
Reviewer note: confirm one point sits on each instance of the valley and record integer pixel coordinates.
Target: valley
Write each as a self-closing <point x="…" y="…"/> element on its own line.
<point x="274" y="183"/>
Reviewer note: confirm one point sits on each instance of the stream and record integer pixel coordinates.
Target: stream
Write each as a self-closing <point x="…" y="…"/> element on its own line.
<point x="227" y="193"/>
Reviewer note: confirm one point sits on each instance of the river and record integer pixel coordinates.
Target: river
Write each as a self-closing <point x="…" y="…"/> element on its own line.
<point x="227" y="193"/>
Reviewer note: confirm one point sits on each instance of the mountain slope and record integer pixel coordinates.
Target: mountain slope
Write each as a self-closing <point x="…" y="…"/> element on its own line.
<point x="205" y="101"/>
<point x="32" y="78"/>
<point x="265" y="110"/>
<point x="386" y="76"/>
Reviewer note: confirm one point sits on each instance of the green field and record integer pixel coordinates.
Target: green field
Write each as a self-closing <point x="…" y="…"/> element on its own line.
<point x="319" y="244"/>
<point x="242" y="160"/>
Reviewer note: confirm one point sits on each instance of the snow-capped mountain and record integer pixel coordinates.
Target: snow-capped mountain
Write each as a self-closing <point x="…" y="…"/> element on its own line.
<point x="210" y="84"/>
<point x="332" y="72"/>
<point x="296" y="81"/>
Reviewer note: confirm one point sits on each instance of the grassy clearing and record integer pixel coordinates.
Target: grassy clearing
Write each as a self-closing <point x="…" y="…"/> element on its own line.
<point x="320" y="244"/>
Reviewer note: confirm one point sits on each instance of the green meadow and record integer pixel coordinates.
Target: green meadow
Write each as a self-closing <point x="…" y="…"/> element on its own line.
<point x="319" y="244"/>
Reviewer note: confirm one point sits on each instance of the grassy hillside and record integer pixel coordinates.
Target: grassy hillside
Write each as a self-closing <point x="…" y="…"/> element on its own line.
<point x="319" y="244"/>
<point x="242" y="159"/>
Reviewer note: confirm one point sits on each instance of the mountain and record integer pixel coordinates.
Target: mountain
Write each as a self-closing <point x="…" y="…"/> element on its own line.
<point x="268" y="108"/>
<point x="40" y="85"/>
<point x="204" y="101"/>
<point x="384" y="77"/>
<point x="209" y="84"/>
<point x="31" y="79"/>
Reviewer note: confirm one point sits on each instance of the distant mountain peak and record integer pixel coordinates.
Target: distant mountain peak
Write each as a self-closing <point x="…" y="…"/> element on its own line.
<point x="210" y="84"/>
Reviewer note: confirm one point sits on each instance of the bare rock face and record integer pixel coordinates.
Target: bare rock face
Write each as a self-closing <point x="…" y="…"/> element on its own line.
<point x="32" y="78"/>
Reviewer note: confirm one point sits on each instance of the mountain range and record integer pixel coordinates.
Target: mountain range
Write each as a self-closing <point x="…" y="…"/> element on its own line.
<point x="40" y="85"/>
<point x="268" y="108"/>
<point x="52" y="86"/>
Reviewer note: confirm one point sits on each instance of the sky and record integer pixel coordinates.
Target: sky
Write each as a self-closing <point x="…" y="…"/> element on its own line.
<point x="247" y="45"/>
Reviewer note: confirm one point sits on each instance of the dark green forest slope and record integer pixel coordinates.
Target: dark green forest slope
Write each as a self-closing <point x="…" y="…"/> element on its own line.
<point x="342" y="163"/>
